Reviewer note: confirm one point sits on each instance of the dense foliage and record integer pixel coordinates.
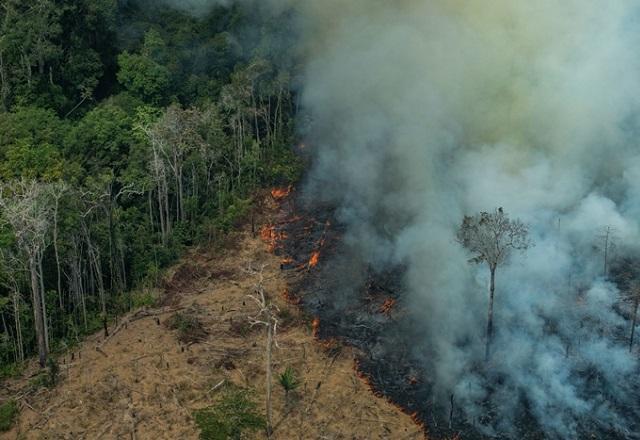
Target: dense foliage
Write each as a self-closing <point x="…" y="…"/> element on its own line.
<point x="8" y="413"/>
<point x="128" y="130"/>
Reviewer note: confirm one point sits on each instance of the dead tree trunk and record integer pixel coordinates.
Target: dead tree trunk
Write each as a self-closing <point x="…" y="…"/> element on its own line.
<point x="37" y="311"/>
<point x="57" y="192"/>
<point x="26" y="206"/>
<point x="43" y="297"/>
<point x="16" y="317"/>
<point x="269" y="368"/>
<point x="266" y="316"/>
<point x="492" y="289"/>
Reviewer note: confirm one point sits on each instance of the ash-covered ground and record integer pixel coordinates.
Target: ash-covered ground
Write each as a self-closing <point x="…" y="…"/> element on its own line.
<point x="367" y="309"/>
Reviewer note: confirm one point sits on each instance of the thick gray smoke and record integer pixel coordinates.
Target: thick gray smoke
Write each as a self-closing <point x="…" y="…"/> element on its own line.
<point x="424" y="111"/>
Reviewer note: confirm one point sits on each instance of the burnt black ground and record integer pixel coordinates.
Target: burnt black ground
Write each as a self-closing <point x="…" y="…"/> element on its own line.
<point x="349" y="297"/>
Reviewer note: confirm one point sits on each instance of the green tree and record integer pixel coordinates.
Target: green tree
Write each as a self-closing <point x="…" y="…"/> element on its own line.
<point x="32" y="162"/>
<point x="102" y="139"/>
<point x="144" y="74"/>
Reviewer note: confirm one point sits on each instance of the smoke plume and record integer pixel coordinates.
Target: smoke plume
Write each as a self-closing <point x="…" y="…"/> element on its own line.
<point x="424" y="111"/>
<point x="196" y="7"/>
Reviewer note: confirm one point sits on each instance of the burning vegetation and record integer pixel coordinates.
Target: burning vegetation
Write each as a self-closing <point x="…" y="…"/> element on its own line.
<point x="387" y="307"/>
<point x="370" y="321"/>
<point x="302" y="239"/>
<point x="279" y="194"/>
<point x="315" y="327"/>
<point x="315" y="258"/>
<point x="310" y="247"/>
<point x="272" y="237"/>
<point x="366" y="379"/>
<point x="290" y="298"/>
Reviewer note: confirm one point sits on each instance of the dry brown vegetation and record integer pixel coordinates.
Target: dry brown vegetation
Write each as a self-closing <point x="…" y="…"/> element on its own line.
<point x="160" y="365"/>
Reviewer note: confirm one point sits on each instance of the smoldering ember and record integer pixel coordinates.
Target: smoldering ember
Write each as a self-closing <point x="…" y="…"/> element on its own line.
<point x="320" y="219"/>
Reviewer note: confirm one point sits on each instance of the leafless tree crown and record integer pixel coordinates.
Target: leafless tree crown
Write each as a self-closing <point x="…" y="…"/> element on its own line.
<point x="492" y="236"/>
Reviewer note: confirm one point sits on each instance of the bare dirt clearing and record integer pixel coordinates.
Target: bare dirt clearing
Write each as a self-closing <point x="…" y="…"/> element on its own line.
<point x="145" y="381"/>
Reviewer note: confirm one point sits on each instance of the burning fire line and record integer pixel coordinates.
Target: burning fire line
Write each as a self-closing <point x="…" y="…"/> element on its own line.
<point x="387" y="307"/>
<point x="314" y="260"/>
<point x="367" y="381"/>
<point x="315" y="255"/>
<point x="281" y="193"/>
<point x="290" y="298"/>
<point x="272" y="237"/>
<point x="269" y="233"/>
<point x="327" y="344"/>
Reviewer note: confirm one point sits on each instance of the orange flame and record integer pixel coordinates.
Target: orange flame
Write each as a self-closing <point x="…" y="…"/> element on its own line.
<point x="291" y="299"/>
<point x="367" y="381"/>
<point x="416" y="418"/>
<point x="272" y="237"/>
<point x="329" y="344"/>
<point x="280" y="193"/>
<point x="315" y="258"/>
<point x="266" y="233"/>
<point x="387" y="306"/>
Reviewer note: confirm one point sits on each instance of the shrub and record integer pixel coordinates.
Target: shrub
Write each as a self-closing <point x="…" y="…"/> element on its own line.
<point x="146" y="298"/>
<point x="234" y="414"/>
<point x="10" y="370"/>
<point x="53" y="370"/>
<point x="188" y="326"/>
<point x="288" y="380"/>
<point x="8" y="413"/>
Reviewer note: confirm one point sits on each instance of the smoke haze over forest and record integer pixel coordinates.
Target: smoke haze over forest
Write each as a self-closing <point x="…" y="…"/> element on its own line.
<point x="423" y="112"/>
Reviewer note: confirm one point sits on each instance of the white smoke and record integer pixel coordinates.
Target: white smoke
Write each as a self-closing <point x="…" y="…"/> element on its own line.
<point x="424" y="111"/>
<point x="196" y="8"/>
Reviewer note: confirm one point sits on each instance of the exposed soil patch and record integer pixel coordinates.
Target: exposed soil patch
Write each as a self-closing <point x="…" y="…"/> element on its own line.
<point x="181" y="280"/>
<point x="146" y="381"/>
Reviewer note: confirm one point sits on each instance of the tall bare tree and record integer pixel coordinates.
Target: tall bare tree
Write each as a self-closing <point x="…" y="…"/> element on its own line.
<point x="13" y="273"/>
<point x="27" y="208"/>
<point x="634" y="297"/>
<point x="173" y="137"/>
<point x="266" y="316"/>
<point x="58" y="190"/>
<point x="98" y="200"/>
<point x="491" y="238"/>
<point x="608" y="237"/>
